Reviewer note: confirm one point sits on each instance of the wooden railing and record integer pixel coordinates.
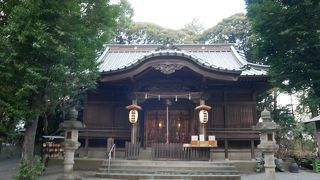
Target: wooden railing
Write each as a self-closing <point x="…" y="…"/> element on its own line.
<point x="172" y="151"/>
<point x="132" y="150"/>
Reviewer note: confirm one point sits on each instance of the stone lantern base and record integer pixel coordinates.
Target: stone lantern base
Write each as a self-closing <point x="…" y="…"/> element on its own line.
<point x="69" y="148"/>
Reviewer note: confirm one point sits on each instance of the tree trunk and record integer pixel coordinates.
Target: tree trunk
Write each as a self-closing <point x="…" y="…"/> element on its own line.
<point x="275" y="106"/>
<point x="29" y="139"/>
<point x="31" y="128"/>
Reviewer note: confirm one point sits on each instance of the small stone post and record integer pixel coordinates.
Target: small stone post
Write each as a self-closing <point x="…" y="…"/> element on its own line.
<point x="71" y="128"/>
<point x="268" y="144"/>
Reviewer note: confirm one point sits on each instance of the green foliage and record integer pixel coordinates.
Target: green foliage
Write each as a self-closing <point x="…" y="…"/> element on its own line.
<point x="50" y="49"/>
<point x="288" y="39"/>
<point x="48" y="53"/>
<point x="149" y="33"/>
<point x="191" y="32"/>
<point x="124" y="22"/>
<point x="294" y="138"/>
<point x="234" y="29"/>
<point x="309" y="103"/>
<point x="30" y="170"/>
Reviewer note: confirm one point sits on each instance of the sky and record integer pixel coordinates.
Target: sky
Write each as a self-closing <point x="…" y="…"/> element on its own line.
<point x="175" y="14"/>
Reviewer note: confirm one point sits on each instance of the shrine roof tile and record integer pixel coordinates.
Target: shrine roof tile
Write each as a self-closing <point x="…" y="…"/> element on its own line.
<point x="220" y="57"/>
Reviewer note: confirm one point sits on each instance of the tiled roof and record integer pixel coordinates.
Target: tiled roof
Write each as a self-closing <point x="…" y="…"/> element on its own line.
<point x="217" y="57"/>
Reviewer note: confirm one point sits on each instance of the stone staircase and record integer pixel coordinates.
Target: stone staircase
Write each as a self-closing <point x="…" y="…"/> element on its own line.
<point x="146" y="169"/>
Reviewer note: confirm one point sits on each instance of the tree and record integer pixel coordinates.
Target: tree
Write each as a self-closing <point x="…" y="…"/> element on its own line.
<point x="48" y="56"/>
<point x="288" y="39"/>
<point x="235" y="29"/>
<point x="147" y="33"/>
<point x="124" y="21"/>
<point x="191" y="32"/>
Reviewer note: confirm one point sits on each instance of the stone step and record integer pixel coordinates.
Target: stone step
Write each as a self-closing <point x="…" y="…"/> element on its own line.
<point x="166" y="163"/>
<point x="145" y="154"/>
<point x="168" y="176"/>
<point x="181" y="171"/>
<point x="141" y="169"/>
<point x="189" y="168"/>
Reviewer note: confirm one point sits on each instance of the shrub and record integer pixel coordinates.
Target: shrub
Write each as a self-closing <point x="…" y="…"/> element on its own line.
<point x="30" y="170"/>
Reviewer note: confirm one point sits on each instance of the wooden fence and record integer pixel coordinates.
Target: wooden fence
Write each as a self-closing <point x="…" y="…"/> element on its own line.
<point x="132" y="150"/>
<point x="176" y="151"/>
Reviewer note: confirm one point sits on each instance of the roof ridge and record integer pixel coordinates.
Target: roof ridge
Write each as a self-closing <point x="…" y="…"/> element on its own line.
<point x="238" y="57"/>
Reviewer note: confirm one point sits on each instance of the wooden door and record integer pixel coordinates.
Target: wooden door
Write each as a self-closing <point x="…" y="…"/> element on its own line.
<point x="156" y="126"/>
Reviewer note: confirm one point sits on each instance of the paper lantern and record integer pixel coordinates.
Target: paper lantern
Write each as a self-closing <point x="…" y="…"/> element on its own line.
<point x="133" y="116"/>
<point x="203" y="116"/>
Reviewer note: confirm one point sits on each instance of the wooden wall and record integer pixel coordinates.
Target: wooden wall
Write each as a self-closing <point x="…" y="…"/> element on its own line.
<point x="103" y="111"/>
<point x="232" y="109"/>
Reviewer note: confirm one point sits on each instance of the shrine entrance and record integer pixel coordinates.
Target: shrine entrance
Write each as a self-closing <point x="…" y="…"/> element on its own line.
<point x="158" y="122"/>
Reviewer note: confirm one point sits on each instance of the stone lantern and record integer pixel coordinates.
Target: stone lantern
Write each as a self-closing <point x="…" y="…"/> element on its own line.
<point x="133" y="119"/>
<point x="71" y="129"/>
<point x="203" y="116"/>
<point x="268" y="144"/>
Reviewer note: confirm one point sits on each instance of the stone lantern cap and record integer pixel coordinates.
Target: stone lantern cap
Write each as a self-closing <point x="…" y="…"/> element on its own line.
<point x="267" y="124"/>
<point x="71" y="125"/>
<point x="72" y="122"/>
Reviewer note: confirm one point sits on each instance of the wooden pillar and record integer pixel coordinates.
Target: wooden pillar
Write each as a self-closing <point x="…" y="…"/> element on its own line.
<point x="252" y="149"/>
<point x="225" y="107"/>
<point x="134" y="133"/>
<point x="202" y="129"/>
<point x="226" y="153"/>
<point x="254" y="107"/>
<point x="86" y="146"/>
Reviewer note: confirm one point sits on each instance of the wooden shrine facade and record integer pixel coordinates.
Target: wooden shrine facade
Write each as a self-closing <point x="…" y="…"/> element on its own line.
<point x="168" y="82"/>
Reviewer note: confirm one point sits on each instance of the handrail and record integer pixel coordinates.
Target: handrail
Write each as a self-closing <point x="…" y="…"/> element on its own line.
<point x="113" y="149"/>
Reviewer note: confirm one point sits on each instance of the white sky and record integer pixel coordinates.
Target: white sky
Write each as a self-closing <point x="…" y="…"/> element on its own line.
<point x="175" y="14"/>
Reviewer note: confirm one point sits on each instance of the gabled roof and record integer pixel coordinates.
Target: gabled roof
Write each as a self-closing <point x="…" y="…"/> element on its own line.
<point x="218" y="57"/>
<point x="317" y="118"/>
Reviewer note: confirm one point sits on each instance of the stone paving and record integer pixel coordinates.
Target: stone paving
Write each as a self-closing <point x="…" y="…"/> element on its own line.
<point x="8" y="168"/>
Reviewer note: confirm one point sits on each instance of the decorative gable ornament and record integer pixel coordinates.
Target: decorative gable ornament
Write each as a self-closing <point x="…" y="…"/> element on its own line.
<point x="167" y="44"/>
<point x="167" y="68"/>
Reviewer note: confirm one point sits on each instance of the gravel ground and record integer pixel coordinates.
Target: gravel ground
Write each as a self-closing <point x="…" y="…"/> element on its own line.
<point x="8" y="169"/>
<point x="302" y="175"/>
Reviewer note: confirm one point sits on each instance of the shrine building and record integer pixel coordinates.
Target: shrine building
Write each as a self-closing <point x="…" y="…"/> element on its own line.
<point x="169" y="82"/>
